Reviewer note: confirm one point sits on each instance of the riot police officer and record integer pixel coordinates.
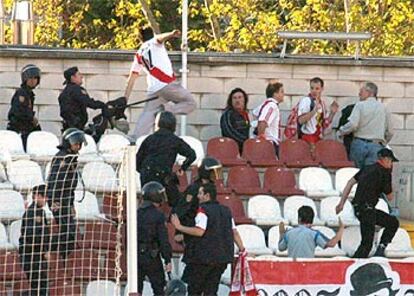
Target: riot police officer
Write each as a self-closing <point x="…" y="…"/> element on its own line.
<point x="157" y="154"/>
<point x="34" y="243"/>
<point x="61" y="184"/>
<point x="21" y="115"/>
<point x="74" y="100"/>
<point x="152" y="239"/>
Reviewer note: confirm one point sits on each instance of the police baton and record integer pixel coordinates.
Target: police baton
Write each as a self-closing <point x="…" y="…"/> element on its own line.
<point x="142" y="101"/>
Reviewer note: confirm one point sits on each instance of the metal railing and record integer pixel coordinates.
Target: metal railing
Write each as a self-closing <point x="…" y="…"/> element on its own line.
<point x="353" y="36"/>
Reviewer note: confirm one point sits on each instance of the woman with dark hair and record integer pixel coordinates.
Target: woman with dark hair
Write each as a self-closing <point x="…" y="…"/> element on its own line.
<point x="234" y="122"/>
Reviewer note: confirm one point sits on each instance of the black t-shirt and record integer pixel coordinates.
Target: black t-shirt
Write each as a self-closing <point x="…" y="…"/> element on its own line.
<point x="372" y="181"/>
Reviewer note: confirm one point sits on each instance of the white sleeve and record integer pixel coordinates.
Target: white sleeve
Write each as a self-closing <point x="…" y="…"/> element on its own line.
<point x="269" y="112"/>
<point x="304" y="106"/>
<point x="136" y="66"/>
<point x="201" y="219"/>
<point x="233" y="225"/>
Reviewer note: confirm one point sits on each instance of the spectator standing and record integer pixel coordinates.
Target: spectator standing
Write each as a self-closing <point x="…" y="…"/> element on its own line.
<point x="371" y="125"/>
<point x="235" y="122"/>
<point x="347" y="140"/>
<point x="302" y="240"/>
<point x="214" y="236"/>
<point x="268" y="115"/>
<point x="152" y="57"/>
<point x="21" y="115"/>
<point x="372" y="180"/>
<point x="313" y="114"/>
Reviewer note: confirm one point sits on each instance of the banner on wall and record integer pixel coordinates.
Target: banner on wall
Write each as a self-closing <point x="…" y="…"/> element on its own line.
<point x="362" y="277"/>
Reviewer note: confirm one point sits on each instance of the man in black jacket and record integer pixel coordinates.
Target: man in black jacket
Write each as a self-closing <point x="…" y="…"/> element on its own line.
<point x="34" y="243"/>
<point x="152" y="239"/>
<point x="61" y="184"/>
<point x="157" y="154"/>
<point x="21" y="115"/>
<point x="214" y="236"/>
<point x="74" y="100"/>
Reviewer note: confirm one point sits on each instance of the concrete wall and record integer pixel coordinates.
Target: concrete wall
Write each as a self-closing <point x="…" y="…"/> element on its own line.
<point x="211" y="78"/>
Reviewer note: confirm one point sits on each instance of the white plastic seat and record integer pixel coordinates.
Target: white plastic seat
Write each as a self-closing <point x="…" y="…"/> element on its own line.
<point x="253" y="239"/>
<point x="15" y="232"/>
<point x="226" y="276"/>
<point x="101" y="288"/>
<point x="123" y="181"/>
<point x="4" y="241"/>
<point x="351" y="240"/>
<point x="24" y="174"/>
<point x="88" y="208"/>
<point x="328" y="212"/>
<point x="273" y="241"/>
<point x="4" y="183"/>
<point x="197" y="147"/>
<point x="382" y="206"/>
<point x="139" y="141"/>
<point x="11" y="146"/>
<point x="316" y="182"/>
<point x="328" y="252"/>
<point x="89" y="153"/>
<point x="264" y="210"/>
<point x="292" y="205"/>
<point x="42" y="146"/>
<point x="342" y="176"/>
<point x="223" y="290"/>
<point x="99" y="177"/>
<point x="112" y="147"/>
<point x="12" y="205"/>
<point x="400" y="246"/>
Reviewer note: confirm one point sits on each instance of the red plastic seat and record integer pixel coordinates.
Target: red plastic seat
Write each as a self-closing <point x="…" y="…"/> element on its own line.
<point x="260" y="153"/>
<point x="296" y="154"/>
<point x="183" y="181"/>
<point x="221" y="188"/>
<point x="100" y="236"/>
<point x="65" y="288"/>
<point x="236" y="207"/>
<point x="332" y="154"/>
<point x="176" y="247"/>
<point x="10" y="267"/>
<point x="244" y="180"/>
<point x="89" y="265"/>
<point x="111" y="209"/>
<point x="225" y="150"/>
<point x="280" y="182"/>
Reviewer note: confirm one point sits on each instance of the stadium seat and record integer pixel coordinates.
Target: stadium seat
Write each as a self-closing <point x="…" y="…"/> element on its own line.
<point x="280" y="182"/>
<point x="296" y="154"/>
<point x="342" y="176"/>
<point x="12" y="205"/>
<point x="332" y="154"/>
<point x="244" y="180"/>
<point x="382" y="206"/>
<point x="112" y="147"/>
<point x="253" y="239"/>
<point x="197" y="147"/>
<point x="292" y="205"/>
<point x="89" y="153"/>
<point x="86" y="206"/>
<point x="24" y="174"/>
<point x="42" y="146"/>
<point x="260" y="153"/>
<point x="220" y="186"/>
<point x="79" y="186"/>
<point x="328" y="252"/>
<point x="88" y="265"/>
<point x="316" y="182"/>
<point x="329" y="216"/>
<point x="236" y="206"/>
<point x="15" y="232"/>
<point x="273" y="241"/>
<point x="400" y="246"/>
<point x="102" y="288"/>
<point x="351" y="240"/>
<point x="11" y="146"/>
<point x="65" y="288"/>
<point x="4" y="241"/>
<point x="10" y="267"/>
<point x="111" y="209"/>
<point x="100" y="235"/>
<point x="4" y="182"/>
<point x="226" y="276"/>
<point x="264" y="210"/>
<point x="99" y="177"/>
<point x="225" y="150"/>
<point x="223" y="290"/>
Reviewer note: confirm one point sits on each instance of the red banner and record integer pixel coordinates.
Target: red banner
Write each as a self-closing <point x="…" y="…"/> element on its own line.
<point x="376" y="276"/>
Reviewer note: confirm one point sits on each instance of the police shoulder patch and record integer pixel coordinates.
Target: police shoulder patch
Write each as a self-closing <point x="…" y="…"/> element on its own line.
<point x="21" y="99"/>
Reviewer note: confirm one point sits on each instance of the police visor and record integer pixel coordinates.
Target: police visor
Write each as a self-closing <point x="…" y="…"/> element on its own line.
<point x="76" y="137"/>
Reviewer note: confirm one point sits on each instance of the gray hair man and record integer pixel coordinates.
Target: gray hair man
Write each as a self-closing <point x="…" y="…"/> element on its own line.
<point x="371" y="125"/>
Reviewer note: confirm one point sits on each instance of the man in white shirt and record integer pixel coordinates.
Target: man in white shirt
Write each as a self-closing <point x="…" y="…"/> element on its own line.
<point x="371" y="125"/>
<point x="268" y="115"/>
<point x="313" y="115"/>
<point x="152" y="58"/>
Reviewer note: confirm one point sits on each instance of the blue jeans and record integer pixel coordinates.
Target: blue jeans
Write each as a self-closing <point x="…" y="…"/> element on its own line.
<point x="364" y="153"/>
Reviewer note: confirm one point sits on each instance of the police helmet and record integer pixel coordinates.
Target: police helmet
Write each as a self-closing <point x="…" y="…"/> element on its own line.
<point x="73" y="136"/>
<point x="165" y="119"/>
<point x="30" y="71"/>
<point x="210" y="168"/>
<point x="153" y="191"/>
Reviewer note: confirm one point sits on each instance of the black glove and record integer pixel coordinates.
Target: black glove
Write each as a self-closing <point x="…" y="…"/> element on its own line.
<point x="105" y="112"/>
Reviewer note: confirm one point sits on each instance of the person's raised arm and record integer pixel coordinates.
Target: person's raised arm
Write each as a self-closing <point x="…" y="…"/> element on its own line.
<point x="130" y="83"/>
<point x="161" y="38"/>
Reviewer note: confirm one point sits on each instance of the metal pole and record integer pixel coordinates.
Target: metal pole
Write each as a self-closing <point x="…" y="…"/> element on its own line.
<point x="184" y="70"/>
<point x="131" y="190"/>
<point x="2" y="23"/>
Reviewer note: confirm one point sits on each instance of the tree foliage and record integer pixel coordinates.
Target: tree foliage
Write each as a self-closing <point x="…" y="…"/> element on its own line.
<point x="228" y="25"/>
